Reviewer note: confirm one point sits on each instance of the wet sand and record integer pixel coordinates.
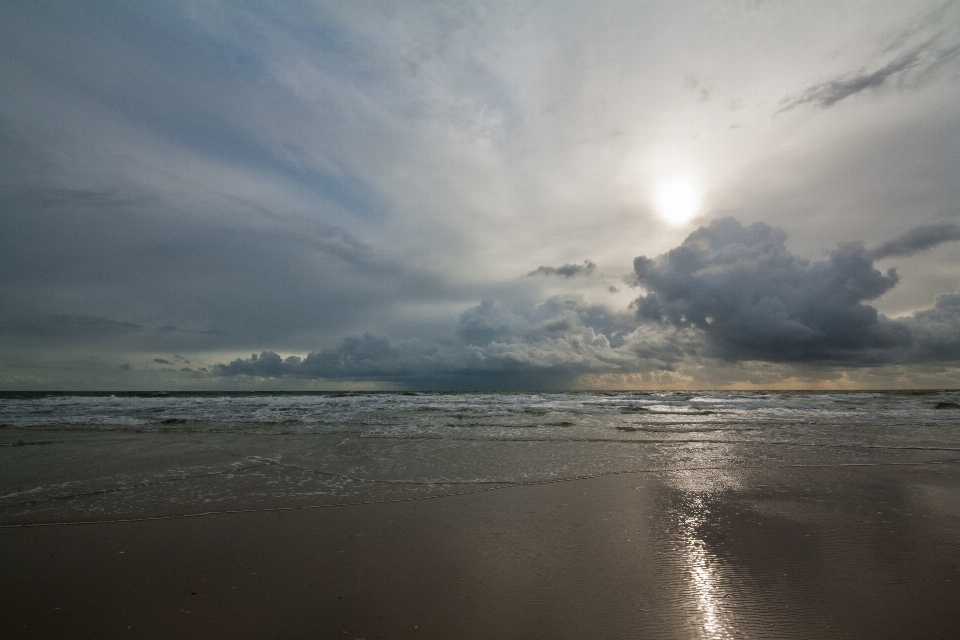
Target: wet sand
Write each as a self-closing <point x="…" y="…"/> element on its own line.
<point x="830" y="552"/>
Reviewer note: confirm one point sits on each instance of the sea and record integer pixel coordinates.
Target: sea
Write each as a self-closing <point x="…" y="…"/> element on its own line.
<point x="71" y="458"/>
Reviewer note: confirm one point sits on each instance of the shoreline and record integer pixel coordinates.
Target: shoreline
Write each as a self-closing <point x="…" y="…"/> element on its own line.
<point x="500" y="485"/>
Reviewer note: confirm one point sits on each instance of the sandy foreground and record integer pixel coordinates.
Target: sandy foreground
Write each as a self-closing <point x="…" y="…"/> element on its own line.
<point x="806" y="552"/>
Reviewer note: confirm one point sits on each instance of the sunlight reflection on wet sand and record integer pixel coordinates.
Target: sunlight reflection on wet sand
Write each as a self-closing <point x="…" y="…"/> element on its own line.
<point x="702" y="576"/>
<point x="700" y="564"/>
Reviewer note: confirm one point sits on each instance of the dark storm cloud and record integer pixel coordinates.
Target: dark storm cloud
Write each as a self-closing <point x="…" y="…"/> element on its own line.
<point x="566" y="271"/>
<point x="545" y="346"/>
<point x="937" y="330"/>
<point x="916" y="240"/>
<point x="366" y="356"/>
<point x="753" y="299"/>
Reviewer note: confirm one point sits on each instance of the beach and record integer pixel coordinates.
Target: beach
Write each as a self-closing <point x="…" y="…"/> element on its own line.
<point x="362" y="320"/>
<point x="807" y="551"/>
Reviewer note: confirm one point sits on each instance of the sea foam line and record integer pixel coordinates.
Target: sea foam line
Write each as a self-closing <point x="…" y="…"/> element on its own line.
<point x="505" y="485"/>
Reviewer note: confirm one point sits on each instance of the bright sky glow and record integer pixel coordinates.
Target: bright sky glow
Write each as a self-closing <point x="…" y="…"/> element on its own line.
<point x="677" y="200"/>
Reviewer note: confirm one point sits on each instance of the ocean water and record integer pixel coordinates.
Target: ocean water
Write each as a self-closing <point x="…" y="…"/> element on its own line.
<point x="73" y="458"/>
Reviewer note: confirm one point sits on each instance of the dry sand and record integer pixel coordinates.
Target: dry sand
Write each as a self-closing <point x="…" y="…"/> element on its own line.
<point x="832" y="552"/>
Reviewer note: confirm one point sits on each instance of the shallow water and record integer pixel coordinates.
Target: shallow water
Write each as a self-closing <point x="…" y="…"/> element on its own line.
<point x="101" y="457"/>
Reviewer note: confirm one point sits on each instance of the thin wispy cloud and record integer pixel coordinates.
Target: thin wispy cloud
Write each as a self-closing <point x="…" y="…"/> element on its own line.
<point x="907" y="70"/>
<point x="916" y="240"/>
<point x="904" y="63"/>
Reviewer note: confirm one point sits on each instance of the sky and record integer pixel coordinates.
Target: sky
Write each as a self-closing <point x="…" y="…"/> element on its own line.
<point x="480" y="195"/>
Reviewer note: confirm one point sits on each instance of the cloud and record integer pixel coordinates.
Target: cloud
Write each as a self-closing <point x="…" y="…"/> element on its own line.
<point x="179" y="277"/>
<point x="549" y="345"/>
<point x="93" y="323"/>
<point x="567" y="270"/>
<point x="225" y="178"/>
<point x="754" y="300"/>
<point x="78" y="324"/>
<point x="170" y="328"/>
<point x="913" y="63"/>
<point x="916" y="240"/>
<point x="248" y="214"/>
<point x="728" y="293"/>
<point x="937" y="330"/>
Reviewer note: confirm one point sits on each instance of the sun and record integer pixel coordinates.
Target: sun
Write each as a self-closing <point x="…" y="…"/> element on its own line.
<point x="677" y="200"/>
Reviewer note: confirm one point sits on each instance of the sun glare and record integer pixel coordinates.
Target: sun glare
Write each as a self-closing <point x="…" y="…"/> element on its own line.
<point x="677" y="200"/>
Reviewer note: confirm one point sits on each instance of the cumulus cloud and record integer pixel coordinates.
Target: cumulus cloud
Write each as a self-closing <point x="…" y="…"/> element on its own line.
<point x="755" y="300"/>
<point x="937" y="330"/>
<point x="566" y="271"/>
